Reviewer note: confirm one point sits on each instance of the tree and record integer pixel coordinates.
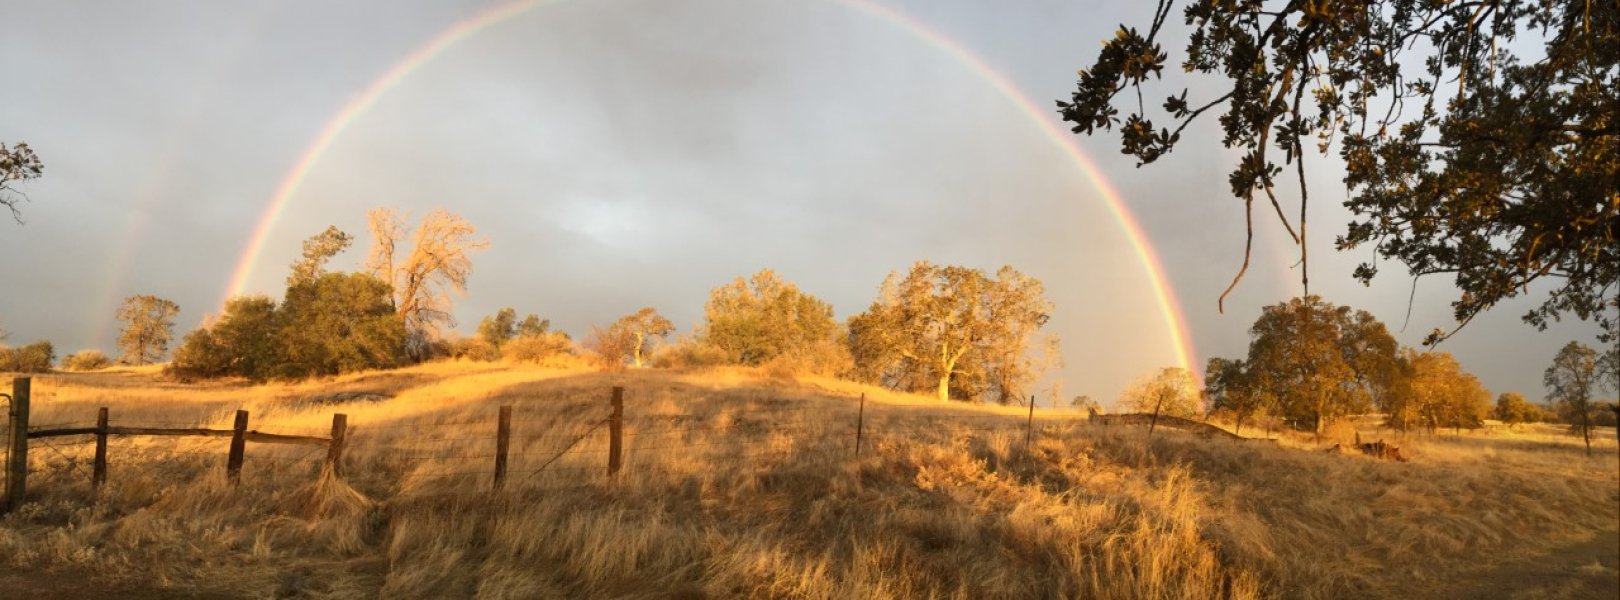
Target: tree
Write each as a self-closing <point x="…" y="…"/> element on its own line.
<point x="1169" y="391"/>
<point x="1569" y="382"/>
<point x="1497" y="164"/>
<point x="533" y="325"/>
<point x="17" y="164"/>
<point x="1443" y="395"/>
<point x="318" y="249"/>
<point x="148" y="328"/>
<point x="245" y="341"/>
<point x="436" y="267"/>
<point x="498" y="329"/>
<point x="33" y="358"/>
<point x="339" y="323"/>
<point x="1310" y="356"/>
<point x="1084" y="402"/>
<point x="1512" y="409"/>
<point x="638" y="327"/>
<point x="764" y="318"/>
<point x="953" y="329"/>
<point x="1229" y="387"/>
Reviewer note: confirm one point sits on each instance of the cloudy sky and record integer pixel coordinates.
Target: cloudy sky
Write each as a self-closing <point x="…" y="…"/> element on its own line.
<point x="624" y="153"/>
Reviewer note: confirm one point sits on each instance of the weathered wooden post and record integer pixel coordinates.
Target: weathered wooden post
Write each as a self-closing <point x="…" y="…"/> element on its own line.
<point x="503" y="442"/>
<point x="233" y="466"/>
<point x="616" y="433"/>
<point x="100" y="475"/>
<point x="17" y="466"/>
<point x="1029" y="429"/>
<point x="334" y="448"/>
<point x="860" y="425"/>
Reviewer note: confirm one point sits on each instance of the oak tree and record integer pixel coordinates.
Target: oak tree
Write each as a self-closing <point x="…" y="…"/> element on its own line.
<point x="1570" y="381"/>
<point x="761" y="318"/>
<point x="1479" y="139"/>
<point x="954" y="329"/>
<point x="1169" y="391"/>
<point x="318" y="249"/>
<point x="148" y="328"/>
<point x="17" y="164"/>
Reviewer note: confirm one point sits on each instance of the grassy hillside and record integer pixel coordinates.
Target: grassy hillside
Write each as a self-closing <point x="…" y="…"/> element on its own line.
<point x="736" y="484"/>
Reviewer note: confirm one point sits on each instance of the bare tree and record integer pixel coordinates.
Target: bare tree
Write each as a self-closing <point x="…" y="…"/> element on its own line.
<point x="436" y="268"/>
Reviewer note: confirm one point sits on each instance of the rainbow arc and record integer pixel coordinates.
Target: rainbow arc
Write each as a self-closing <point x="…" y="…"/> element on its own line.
<point x="1169" y="307"/>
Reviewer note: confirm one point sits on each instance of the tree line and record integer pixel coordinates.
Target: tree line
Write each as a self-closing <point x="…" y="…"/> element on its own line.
<point x="951" y="331"/>
<point x="1311" y="362"/>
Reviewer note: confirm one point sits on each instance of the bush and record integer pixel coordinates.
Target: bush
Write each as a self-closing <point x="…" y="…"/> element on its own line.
<point x="86" y="360"/>
<point x="686" y="353"/>
<point x="33" y="358"/>
<point x="545" y="349"/>
<point x="473" y="348"/>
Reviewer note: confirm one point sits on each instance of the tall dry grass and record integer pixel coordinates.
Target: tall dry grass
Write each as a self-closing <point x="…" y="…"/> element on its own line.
<point x="738" y="483"/>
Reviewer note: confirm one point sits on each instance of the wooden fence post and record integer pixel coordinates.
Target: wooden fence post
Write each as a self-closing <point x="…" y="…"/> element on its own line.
<point x="334" y="448"/>
<point x="616" y="433"/>
<point x="860" y="425"/>
<point x="233" y="466"/>
<point x="100" y="475"/>
<point x="503" y="442"/>
<point x="17" y="466"/>
<point x="1029" y="429"/>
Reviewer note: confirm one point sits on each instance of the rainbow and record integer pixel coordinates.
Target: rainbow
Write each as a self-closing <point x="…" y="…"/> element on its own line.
<point x="1169" y="307"/>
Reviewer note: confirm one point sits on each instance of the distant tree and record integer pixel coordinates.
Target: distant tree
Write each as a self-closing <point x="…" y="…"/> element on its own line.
<point x="86" y="360"/>
<point x="953" y="329"/>
<point x="245" y="341"/>
<point x="1311" y="356"/>
<point x="1169" y="391"/>
<point x="639" y="327"/>
<point x="533" y="325"/>
<point x="1569" y="383"/>
<point x="1477" y="137"/>
<point x="763" y="318"/>
<point x="1231" y="388"/>
<point x="1512" y="409"/>
<point x="318" y="249"/>
<point x="436" y="267"/>
<point x="338" y="323"/>
<point x="17" y="164"/>
<point x="148" y="328"/>
<point x="496" y="330"/>
<point x="1084" y="402"/>
<point x="1443" y="395"/>
<point x="33" y="358"/>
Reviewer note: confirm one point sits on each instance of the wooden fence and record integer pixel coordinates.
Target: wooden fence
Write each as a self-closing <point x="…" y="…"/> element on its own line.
<point x="240" y="435"/>
<point x="18" y="434"/>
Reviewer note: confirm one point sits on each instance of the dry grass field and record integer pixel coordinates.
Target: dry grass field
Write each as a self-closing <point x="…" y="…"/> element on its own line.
<point x="740" y="484"/>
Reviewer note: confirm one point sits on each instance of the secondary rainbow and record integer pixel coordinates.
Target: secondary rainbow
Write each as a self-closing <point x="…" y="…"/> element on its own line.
<point x="1169" y="307"/>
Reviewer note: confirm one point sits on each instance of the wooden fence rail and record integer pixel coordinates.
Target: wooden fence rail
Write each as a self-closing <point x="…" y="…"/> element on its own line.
<point x="18" y="435"/>
<point x="240" y="435"/>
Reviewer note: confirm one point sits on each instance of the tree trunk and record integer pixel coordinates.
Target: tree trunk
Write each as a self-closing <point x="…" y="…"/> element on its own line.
<point x="640" y="339"/>
<point x="945" y="386"/>
<point x="1155" y="422"/>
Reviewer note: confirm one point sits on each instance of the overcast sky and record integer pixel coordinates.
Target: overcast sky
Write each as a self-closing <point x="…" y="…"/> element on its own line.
<point x="625" y="153"/>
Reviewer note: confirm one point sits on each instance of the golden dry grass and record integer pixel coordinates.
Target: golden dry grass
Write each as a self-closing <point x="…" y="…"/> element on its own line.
<point x="743" y="484"/>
